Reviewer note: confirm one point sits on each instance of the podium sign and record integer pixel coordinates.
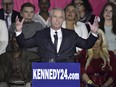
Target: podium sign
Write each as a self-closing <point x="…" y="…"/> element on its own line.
<point x="56" y="74"/>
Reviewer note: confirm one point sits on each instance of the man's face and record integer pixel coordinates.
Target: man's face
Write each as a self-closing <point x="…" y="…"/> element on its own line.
<point x="44" y="5"/>
<point x="57" y="19"/>
<point x="7" y="5"/>
<point x="27" y="13"/>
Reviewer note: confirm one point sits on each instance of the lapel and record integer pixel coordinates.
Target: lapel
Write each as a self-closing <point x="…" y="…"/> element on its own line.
<point x="64" y="35"/>
<point x="48" y="36"/>
<point x="2" y="14"/>
<point x="13" y="17"/>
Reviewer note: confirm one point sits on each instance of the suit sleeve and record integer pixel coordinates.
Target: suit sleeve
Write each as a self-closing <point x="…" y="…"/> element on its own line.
<point x="85" y="43"/>
<point x="27" y="43"/>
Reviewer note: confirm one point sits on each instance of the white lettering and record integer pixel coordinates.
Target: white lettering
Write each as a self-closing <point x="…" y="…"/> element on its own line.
<point x="52" y="74"/>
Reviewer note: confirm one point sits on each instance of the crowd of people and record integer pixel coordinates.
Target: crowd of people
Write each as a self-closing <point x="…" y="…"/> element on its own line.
<point x="73" y="34"/>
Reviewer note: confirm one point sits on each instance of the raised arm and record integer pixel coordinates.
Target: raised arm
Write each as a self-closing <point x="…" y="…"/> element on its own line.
<point x="94" y="26"/>
<point x="22" y="42"/>
<point x="19" y="24"/>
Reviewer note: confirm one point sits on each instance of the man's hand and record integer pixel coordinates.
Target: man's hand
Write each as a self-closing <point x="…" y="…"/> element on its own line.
<point x="94" y="26"/>
<point x="19" y="24"/>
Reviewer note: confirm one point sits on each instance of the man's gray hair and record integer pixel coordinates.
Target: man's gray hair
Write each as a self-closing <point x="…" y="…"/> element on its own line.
<point x="57" y="9"/>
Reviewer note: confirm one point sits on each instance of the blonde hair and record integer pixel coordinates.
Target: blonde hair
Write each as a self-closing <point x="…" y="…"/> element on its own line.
<point x="77" y="17"/>
<point x="103" y="52"/>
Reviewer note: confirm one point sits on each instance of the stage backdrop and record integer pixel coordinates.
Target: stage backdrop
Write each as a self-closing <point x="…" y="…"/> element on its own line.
<point x="96" y="4"/>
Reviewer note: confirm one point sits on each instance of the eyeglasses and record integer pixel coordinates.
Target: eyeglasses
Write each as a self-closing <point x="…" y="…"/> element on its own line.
<point x="10" y="3"/>
<point x="79" y="4"/>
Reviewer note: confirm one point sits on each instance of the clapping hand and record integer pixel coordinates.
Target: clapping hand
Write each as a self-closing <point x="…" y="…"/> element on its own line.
<point x="19" y="24"/>
<point x="94" y="26"/>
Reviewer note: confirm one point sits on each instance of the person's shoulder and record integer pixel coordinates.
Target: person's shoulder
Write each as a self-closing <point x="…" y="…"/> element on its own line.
<point x="67" y="30"/>
<point x="26" y="52"/>
<point x="43" y="31"/>
<point x="111" y="53"/>
<point x="83" y="52"/>
<point x="5" y="55"/>
<point x="81" y="24"/>
<point x="1" y="10"/>
<point x="2" y="21"/>
<point x="36" y="16"/>
<point x="82" y="56"/>
<point x="16" y="11"/>
<point x="37" y="13"/>
<point x="38" y="24"/>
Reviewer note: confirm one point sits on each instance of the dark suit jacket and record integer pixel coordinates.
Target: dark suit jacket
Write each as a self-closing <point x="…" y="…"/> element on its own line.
<point x="46" y="47"/>
<point x="14" y="14"/>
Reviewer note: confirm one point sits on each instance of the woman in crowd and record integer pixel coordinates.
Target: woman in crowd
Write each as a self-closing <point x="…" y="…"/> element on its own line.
<point x="85" y="11"/>
<point x="97" y="64"/>
<point x="113" y="1"/>
<point x="108" y="24"/>
<point x="71" y="22"/>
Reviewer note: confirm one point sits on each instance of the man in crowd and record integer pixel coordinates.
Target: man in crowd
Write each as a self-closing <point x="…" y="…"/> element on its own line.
<point x="7" y="13"/>
<point x="43" y="15"/>
<point x="29" y="27"/>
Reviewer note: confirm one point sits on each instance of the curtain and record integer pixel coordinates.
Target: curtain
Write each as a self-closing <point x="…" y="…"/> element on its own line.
<point x="96" y="4"/>
<point x="54" y="3"/>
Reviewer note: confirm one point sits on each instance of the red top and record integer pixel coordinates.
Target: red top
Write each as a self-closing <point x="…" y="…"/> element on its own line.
<point x="94" y="70"/>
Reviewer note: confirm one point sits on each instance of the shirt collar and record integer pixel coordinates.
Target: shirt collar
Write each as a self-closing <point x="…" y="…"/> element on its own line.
<point x="53" y="31"/>
<point x="8" y="14"/>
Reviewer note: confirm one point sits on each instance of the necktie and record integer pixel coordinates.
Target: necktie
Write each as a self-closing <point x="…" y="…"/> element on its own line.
<point x="55" y="40"/>
<point x="6" y="20"/>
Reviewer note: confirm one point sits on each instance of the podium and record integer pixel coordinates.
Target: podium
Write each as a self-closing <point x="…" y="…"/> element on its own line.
<point x="55" y="74"/>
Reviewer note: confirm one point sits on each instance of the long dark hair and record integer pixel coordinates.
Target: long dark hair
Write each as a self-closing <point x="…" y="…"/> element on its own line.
<point x="86" y="4"/>
<point x="102" y="21"/>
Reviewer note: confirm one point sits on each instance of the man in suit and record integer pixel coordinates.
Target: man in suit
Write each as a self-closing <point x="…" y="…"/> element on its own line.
<point x="67" y="40"/>
<point x="7" y="13"/>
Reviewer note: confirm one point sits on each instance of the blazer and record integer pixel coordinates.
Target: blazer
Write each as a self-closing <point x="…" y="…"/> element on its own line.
<point x="46" y="48"/>
<point x="14" y="14"/>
